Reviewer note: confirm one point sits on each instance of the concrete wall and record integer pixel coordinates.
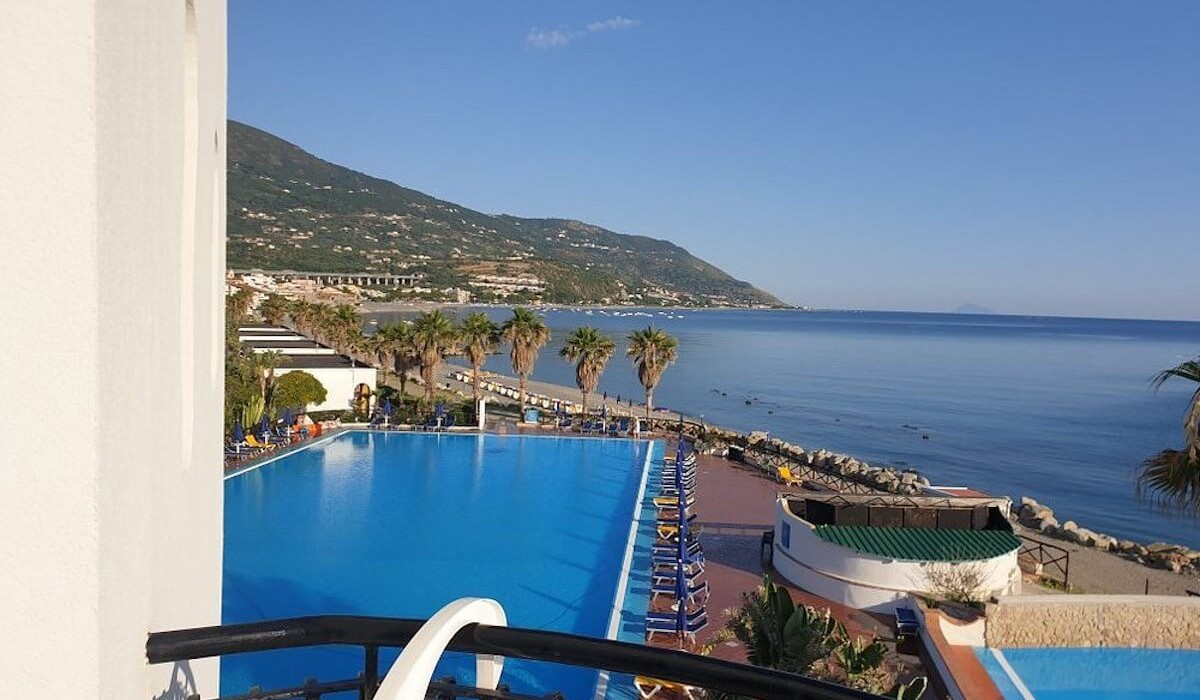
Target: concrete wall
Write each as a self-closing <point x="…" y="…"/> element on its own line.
<point x="1166" y="622"/>
<point x="339" y="383"/>
<point x="112" y="203"/>
<point x="861" y="580"/>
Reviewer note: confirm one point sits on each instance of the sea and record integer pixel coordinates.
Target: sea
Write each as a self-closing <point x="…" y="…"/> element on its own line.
<point x="1057" y="409"/>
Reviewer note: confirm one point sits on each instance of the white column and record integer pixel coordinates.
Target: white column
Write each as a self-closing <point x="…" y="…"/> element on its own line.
<point x="112" y="198"/>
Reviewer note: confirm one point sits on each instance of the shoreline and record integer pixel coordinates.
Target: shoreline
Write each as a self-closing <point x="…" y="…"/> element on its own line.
<point x="375" y="307"/>
<point x="1160" y="562"/>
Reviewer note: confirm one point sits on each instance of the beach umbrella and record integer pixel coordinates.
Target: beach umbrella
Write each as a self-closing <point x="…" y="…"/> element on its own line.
<point x="439" y="409"/>
<point x="287" y="416"/>
<point x="264" y="426"/>
<point x="387" y="407"/>
<point x="604" y="410"/>
<point x="239" y="435"/>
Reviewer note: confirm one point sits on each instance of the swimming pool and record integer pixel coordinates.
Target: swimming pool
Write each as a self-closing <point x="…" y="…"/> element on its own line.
<point x="399" y="524"/>
<point x="1096" y="673"/>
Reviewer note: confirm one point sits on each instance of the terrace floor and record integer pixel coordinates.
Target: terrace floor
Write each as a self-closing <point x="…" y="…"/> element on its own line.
<point x="736" y="505"/>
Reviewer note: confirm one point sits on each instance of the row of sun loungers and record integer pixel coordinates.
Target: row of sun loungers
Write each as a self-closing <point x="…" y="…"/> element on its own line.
<point x="678" y="606"/>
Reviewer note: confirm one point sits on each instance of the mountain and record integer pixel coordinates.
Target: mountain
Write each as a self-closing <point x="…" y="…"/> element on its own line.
<point x="970" y="308"/>
<point x="289" y="209"/>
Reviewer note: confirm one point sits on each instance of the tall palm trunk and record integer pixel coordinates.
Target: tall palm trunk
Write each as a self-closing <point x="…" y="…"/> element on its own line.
<point x="521" y="382"/>
<point x="649" y="402"/>
<point x="476" y="381"/>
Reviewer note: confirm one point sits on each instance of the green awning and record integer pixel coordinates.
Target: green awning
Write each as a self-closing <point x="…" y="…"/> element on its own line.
<point x="921" y="544"/>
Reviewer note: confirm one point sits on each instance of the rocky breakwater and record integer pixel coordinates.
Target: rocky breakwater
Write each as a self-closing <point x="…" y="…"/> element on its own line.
<point x="1160" y="555"/>
<point x="880" y="478"/>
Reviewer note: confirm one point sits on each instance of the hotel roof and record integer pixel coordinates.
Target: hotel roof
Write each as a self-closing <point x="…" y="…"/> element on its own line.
<point x="320" y="362"/>
<point x="285" y="343"/>
<point x="921" y="544"/>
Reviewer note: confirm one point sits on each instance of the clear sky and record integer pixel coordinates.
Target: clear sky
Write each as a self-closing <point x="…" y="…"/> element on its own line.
<point x="1031" y="157"/>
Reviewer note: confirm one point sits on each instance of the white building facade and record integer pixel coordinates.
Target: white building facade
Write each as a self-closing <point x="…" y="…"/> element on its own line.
<point x="113" y="176"/>
<point x="876" y="581"/>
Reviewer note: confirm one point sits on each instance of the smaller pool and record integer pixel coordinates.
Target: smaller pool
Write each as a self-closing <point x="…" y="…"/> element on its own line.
<point x="1096" y="673"/>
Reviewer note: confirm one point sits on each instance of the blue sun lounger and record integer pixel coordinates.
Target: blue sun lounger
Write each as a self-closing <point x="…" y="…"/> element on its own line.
<point x="906" y="622"/>
<point x="668" y="623"/>
<point x="695" y="590"/>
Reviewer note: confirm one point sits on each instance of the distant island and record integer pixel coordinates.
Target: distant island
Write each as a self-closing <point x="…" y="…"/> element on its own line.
<point x="291" y="211"/>
<point x="970" y="308"/>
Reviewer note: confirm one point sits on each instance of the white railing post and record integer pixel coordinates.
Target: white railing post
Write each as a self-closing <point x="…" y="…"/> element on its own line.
<point x="409" y="677"/>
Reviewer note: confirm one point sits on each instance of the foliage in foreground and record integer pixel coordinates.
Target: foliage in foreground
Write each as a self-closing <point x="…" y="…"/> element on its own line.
<point x="778" y="634"/>
<point x="1171" y="478"/>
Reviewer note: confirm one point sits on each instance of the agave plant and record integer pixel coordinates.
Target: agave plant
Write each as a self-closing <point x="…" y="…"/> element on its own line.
<point x="253" y="411"/>
<point x="779" y="634"/>
<point x="858" y="656"/>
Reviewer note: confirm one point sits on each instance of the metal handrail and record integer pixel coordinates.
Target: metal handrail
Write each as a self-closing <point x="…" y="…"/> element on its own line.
<point x="512" y="642"/>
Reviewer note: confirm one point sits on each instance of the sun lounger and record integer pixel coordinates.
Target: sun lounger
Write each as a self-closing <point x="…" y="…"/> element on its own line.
<point x="906" y="622"/>
<point x="669" y="502"/>
<point x="448" y="422"/>
<point x="253" y="442"/>
<point x="670" y="531"/>
<point x="671" y="517"/>
<point x="432" y="423"/>
<point x="668" y="623"/>
<point x="688" y="459"/>
<point x="648" y="687"/>
<point x="787" y="477"/>
<point x="697" y="593"/>
<point x="671" y="551"/>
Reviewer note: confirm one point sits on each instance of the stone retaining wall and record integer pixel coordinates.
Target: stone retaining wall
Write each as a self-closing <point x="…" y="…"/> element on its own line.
<point x="1163" y="622"/>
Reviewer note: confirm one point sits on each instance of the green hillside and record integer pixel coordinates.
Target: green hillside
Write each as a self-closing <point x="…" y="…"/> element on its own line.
<point x="291" y="210"/>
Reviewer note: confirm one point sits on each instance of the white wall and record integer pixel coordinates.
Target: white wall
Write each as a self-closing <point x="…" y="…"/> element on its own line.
<point x="112" y="203"/>
<point x="861" y="580"/>
<point x="339" y="383"/>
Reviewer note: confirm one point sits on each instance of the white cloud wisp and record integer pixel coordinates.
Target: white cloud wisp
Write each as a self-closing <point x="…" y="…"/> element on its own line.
<point x="544" y="39"/>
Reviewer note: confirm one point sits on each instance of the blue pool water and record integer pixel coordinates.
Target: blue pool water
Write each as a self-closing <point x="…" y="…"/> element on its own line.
<point x="1097" y="673"/>
<point x="398" y="525"/>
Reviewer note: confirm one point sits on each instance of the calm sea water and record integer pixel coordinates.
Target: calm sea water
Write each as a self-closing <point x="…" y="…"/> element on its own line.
<point x="1059" y="409"/>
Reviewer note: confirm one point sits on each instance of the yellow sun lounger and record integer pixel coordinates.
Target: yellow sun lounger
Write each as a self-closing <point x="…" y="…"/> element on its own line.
<point x="787" y="477"/>
<point x="648" y="687"/>
<point x="673" y="502"/>
<point x="255" y="442"/>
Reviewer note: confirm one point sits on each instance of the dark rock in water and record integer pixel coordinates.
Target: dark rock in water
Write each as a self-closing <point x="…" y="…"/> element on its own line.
<point x="747" y="402"/>
<point x="770" y="412"/>
<point x="925" y="436"/>
<point x="837" y="420"/>
<point x="724" y="394"/>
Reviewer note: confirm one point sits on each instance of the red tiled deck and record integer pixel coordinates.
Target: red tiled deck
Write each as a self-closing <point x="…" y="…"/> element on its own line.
<point x="736" y="505"/>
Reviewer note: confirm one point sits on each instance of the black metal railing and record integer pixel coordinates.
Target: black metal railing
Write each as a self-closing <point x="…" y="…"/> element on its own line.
<point x="371" y="633"/>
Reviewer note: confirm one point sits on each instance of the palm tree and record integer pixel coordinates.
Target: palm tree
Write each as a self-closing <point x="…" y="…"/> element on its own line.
<point x="273" y="309"/>
<point x="478" y="336"/>
<point x="1172" y="477"/>
<point x="590" y="350"/>
<point x="527" y="333"/>
<point x="396" y="349"/>
<point x="434" y="336"/>
<point x="652" y="350"/>
<point x="264" y="364"/>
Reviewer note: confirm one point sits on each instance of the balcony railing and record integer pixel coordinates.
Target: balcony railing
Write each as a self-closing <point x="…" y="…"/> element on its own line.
<point x="372" y="633"/>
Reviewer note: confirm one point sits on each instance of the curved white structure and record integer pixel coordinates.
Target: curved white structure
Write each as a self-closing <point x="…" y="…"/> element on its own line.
<point x="409" y="677"/>
<point x="867" y="581"/>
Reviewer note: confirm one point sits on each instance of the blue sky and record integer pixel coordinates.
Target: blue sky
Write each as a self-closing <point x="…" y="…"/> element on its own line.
<point x="1031" y="157"/>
